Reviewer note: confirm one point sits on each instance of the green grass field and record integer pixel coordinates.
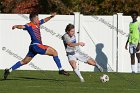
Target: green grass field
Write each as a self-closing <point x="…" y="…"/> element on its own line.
<point x="52" y="82"/>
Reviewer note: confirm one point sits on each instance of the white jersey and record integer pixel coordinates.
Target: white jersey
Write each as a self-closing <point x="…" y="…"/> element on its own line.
<point x="74" y="53"/>
<point x="66" y="38"/>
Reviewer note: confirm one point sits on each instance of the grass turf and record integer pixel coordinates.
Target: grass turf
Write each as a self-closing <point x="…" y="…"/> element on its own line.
<point x="52" y="82"/>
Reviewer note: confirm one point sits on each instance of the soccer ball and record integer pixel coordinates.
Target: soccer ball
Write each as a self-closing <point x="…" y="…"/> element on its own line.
<point x="104" y="78"/>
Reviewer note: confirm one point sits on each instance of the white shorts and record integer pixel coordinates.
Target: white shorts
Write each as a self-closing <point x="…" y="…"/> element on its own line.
<point x="79" y="56"/>
<point x="132" y="48"/>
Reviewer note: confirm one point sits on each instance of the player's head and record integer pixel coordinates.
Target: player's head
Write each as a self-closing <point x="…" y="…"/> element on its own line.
<point x="70" y="30"/>
<point x="134" y="14"/>
<point x="34" y="18"/>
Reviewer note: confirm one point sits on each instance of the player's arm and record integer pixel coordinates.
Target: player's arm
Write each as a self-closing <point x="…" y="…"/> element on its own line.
<point x="18" y="27"/>
<point x="48" y="18"/>
<point x="138" y="46"/>
<point x="75" y="44"/>
<point x="126" y="44"/>
<point x="67" y="40"/>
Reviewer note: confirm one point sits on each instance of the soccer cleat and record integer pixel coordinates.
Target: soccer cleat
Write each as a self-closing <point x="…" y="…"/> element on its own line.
<point x="6" y="73"/>
<point x="82" y="80"/>
<point x="62" y="72"/>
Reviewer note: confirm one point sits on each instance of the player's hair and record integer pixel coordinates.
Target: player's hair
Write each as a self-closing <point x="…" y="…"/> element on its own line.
<point x="69" y="27"/>
<point x="32" y="15"/>
<point x="134" y="12"/>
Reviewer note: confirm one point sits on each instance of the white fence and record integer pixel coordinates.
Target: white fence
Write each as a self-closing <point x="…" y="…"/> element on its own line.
<point x="105" y="38"/>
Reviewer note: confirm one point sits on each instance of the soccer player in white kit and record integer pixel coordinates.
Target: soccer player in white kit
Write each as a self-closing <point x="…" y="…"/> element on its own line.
<point x="74" y="53"/>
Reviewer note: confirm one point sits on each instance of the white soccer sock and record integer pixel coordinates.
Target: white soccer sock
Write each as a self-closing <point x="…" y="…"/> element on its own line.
<point x="77" y="72"/>
<point x="60" y="69"/>
<point x="138" y="67"/>
<point x="133" y="68"/>
<point x="10" y="70"/>
<point x="99" y="67"/>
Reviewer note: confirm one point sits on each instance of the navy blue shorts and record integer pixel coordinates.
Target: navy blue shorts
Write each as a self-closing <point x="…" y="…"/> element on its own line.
<point x="37" y="49"/>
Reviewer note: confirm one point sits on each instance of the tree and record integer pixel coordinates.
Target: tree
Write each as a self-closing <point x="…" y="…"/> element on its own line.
<point x="0" y="6"/>
<point x="87" y="7"/>
<point x="8" y="5"/>
<point x="20" y="6"/>
<point x="27" y="6"/>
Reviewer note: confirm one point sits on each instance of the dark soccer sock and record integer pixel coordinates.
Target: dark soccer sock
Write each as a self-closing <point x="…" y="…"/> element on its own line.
<point x="57" y="61"/>
<point x="17" y="65"/>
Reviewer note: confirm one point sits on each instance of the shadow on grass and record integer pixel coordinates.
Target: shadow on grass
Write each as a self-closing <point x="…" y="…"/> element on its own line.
<point x="34" y="78"/>
<point x="29" y="78"/>
<point x="9" y="79"/>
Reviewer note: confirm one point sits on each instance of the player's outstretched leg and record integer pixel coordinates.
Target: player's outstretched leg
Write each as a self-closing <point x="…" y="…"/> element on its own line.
<point x="52" y="52"/>
<point x="14" y="67"/>
<point x="99" y="67"/>
<point x="94" y="63"/>
<point x="76" y="70"/>
<point x="138" y="57"/>
<point x="17" y="65"/>
<point x="133" y="66"/>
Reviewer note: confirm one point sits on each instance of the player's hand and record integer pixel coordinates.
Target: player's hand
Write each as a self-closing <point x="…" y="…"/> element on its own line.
<point x="13" y="27"/>
<point x="81" y="43"/>
<point x="126" y="47"/>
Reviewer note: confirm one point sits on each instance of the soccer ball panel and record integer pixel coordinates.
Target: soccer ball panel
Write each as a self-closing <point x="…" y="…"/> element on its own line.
<point x="104" y="78"/>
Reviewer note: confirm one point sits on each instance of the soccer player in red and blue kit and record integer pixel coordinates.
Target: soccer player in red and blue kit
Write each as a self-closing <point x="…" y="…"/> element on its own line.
<point x="36" y="46"/>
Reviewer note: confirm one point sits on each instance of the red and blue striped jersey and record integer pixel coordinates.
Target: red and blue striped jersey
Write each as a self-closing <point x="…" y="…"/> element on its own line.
<point x="34" y="31"/>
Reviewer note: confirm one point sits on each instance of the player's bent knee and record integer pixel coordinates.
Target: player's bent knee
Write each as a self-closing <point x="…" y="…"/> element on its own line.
<point x="52" y="52"/>
<point x="91" y="62"/>
<point x="24" y="62"/>
<point x="55" y="53"/>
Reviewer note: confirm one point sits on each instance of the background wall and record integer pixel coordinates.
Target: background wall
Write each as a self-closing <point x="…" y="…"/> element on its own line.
<point x="104" y="42"/>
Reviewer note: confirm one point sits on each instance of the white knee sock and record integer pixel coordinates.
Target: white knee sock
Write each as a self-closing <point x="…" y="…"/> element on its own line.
<point x="77" y="72"/>
<point x="99" y="67"/>
<point x="133" y="68"/>
<point x="138" y="67"/>
<point x="10" y="70"/>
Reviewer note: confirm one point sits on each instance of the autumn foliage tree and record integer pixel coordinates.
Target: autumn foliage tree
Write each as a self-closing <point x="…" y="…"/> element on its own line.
<point x="87" y="7"/>
<point x="26" y="6"/>
<point x="20" y="6"/>
<point x="8" y="5"/>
